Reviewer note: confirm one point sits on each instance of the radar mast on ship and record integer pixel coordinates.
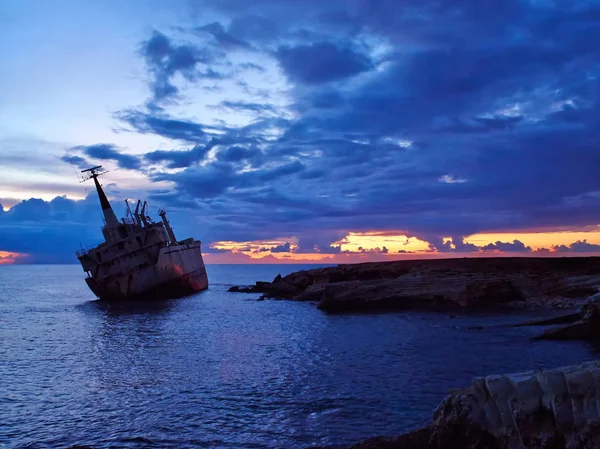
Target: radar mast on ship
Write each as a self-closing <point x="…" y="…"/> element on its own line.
<point x="109" y="215"/>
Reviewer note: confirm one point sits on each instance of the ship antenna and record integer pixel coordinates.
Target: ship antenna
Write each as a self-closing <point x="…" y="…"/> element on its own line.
<point x="109" y="215"/>
<point x="143" y="215"/>
<point x="137" y="213"/>
<point x="93" y="173"/>
<point x="163" y="215"/>
<point x="129" y="214"/>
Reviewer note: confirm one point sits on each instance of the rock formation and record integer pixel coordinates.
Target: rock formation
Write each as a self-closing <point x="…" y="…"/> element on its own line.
<point x="468" y="282"/>
<point x="585" y="327"/>
<point x="550" y="409"/>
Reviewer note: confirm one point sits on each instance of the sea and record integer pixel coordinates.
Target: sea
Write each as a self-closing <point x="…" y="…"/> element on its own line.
<point x="227" y="370"/>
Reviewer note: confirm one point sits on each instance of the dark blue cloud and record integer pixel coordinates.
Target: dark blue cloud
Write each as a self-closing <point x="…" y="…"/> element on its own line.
<point x="164" y="126"/>
<point x="466" y="118"/>
<point x="284" y="248"/>
<point x="77" y="161"/>
<point x="180" y="158"/>
<point x="321" y="62"/>
<point x="173" y="200"/>
<point x="50" y="231"/>
<point x="238" y="154"/>
<point x="580" y="246"/>
<point x="377" y="250"/>
<point x="166" y="59"/>
<point x="252" y="66"/>
<point x="217" y="178"/>
<point x="507" y="247"/>
<point x="212" y="181"/>
<point x="260" y="108"/>
<point x="455" y="244"/>
<point x="223" y="37"/>
<point x="319" y="241"/>
<point x="326" y="100"/>
<point x="104" y="151"/>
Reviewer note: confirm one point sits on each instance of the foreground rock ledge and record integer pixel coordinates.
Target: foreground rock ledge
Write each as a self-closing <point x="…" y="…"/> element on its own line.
<point x="553" y="409"/>
<point x="469" y="282"/>
<point x="584" y="325"/>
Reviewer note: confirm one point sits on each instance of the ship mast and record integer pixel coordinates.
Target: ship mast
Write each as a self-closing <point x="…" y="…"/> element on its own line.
<point x="109" y="215"/>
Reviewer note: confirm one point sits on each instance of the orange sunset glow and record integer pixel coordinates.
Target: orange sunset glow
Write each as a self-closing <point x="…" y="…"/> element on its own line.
<point x="370" y="246"/>
<point x="7" y="257"/>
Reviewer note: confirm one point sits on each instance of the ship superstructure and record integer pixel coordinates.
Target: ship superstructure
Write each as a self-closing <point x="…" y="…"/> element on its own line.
<point x="140" y="258"/>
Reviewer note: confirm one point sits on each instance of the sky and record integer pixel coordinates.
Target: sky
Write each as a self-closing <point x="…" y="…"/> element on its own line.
<point x="304" y="131"/>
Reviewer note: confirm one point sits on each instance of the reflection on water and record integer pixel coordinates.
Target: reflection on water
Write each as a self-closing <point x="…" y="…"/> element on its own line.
<point x="136" y="307"/>
<point x="222" y="370"/>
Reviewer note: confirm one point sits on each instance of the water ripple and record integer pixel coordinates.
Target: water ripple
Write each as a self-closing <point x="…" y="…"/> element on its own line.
<point x="220" y="370"/>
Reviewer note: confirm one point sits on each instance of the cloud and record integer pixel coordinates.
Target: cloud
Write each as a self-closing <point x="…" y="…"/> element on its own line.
<point x="580" y="246"/>
<point x="180" y="159"/>
<point x="461" y="246"/>
<point x="223" y="37"/>
<point x="78" y="161"/>
<point x="242" y="106"/>
<point x="104" y="151"/>
<point x="284" y="248"/>
<point x="213" y="250"/>
<point x="320" y="241"/>
<point x="50" y="231"/>
<point x="377" y="250"/>
<point x="166" y="59"/>
<point x="11" y="258"/>
<point x="507" y="247"/>
<point x="321" y="62"/>
<point x="211" y="181"/>
<point x="164" y="126"/>
<point x="237" y="154"/>
<point x="252" y="66"/>
<point x="384" y="115"/>
<point x="455" y="244"/>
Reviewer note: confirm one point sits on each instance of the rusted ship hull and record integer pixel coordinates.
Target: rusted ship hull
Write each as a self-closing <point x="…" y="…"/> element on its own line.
<point x="179" y="271"/>
<point x="140" y="259"/>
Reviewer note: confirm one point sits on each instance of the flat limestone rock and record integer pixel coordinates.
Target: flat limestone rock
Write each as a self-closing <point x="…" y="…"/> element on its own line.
<point x="538" y="409"/>
<point x="443" y="283"/>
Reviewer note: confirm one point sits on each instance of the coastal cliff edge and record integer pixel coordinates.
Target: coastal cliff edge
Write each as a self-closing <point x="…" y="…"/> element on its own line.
<point x="559" y="283"/>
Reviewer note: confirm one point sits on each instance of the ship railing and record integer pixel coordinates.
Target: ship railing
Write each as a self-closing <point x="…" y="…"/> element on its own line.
<point x="83" y="251"/>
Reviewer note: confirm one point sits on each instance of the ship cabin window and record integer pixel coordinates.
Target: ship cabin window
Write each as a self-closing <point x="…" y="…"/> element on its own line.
<point x="121" y="245"/>
<point x="139" y="240"/>
<point x="122" y="231"/>
<point x="99" y="256"/>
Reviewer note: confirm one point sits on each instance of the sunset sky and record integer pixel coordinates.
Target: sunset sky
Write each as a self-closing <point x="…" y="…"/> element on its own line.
<point x="303" y="130"/>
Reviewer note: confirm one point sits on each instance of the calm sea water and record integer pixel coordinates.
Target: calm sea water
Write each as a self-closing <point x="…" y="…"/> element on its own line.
<point x="222" y="370"/>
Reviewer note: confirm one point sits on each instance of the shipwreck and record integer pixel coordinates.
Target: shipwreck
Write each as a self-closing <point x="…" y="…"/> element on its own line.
<point x="140" y="258"/>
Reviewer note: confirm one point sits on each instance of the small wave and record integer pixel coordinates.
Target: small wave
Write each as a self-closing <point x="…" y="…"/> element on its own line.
<point x="137" y="439"/>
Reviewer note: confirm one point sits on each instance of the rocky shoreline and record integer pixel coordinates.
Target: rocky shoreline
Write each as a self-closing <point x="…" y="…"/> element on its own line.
<point x="471" y="283"/>
<point x="542" y="409"/>
<point x="551" y="409"/>
<point x="538" y="409"/>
